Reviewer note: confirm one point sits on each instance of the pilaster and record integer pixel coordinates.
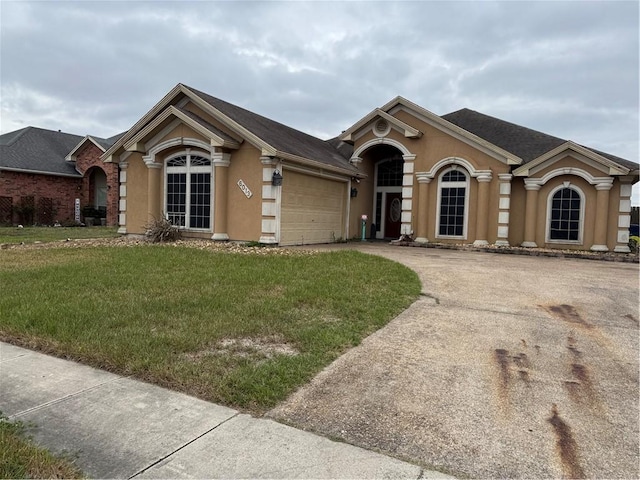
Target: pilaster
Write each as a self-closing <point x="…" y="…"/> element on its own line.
<point x="531" y="214"/>
<point x="624" y="215"/>
<point x="122" y="202"/>
<point x="504" y="209"/>
<point x="270" y="203"/>
<point x="482" y="210"/>
<point x="602" y="218"/>
<point x="221" y="162"/>
<point x="154" y="211"/>
<point x="407" y="194"/>
<point x="423" y="207"/>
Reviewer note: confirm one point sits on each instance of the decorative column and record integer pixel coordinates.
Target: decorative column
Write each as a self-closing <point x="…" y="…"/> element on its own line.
<point x="602" y="217"/>
<point x="122" y="203"/>
<point x="154" y="211"/>
<point x="531" y="214"/>
<point x="221" y="163"/>
<point x="504" y="209"/>
<point x="423" y="207"/>
<point x="407" y="194"/>
<point x="624" y="215"/>
<point x="269" y="201"/>
<point x="482" y="211"/>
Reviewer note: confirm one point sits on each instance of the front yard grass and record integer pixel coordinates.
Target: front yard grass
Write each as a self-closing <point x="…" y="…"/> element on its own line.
<point x="244" y="330"/>
<point x="20" y="458"/>
<point x="52" y="234"/>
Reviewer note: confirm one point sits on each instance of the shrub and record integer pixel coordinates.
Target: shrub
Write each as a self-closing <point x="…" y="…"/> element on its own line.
<point x="634" y="242"/>
<point x="162" y="230"/>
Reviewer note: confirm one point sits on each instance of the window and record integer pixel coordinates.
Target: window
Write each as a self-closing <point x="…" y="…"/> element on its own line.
<point x="565" y="214"/>
<point x="390" y="173"/>
<point x="452" y="204"/>
<point x="188" y="201"/>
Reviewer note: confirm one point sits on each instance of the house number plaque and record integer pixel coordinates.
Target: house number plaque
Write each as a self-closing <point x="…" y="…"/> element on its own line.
<point x="244" y="188"/>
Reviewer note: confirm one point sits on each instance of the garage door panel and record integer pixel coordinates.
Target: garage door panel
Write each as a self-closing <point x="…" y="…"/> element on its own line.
<point x="312" y="210"/>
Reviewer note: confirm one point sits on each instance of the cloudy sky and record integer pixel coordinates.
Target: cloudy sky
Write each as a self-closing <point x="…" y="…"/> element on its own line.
<point x="569" y="69"/>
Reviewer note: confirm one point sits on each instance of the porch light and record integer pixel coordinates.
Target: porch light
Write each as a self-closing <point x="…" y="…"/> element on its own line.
<point x="276" y="179"/>
<point x="354" y="192"/>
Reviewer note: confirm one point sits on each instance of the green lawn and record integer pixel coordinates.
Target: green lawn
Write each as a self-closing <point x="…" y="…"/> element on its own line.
<point x="20" y="458"/>
<point x="52" y="234"/>
<point x="243" y="330"/>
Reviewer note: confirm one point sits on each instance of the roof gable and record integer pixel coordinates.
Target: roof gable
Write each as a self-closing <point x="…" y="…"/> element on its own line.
<point x="269" y="136"/>
<point x="577" y="151"/>
<point x="368" y="122"/>
<point x="400" y="103"/>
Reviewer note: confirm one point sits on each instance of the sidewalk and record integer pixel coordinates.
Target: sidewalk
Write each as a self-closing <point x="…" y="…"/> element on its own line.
<point x="116" y="427"/>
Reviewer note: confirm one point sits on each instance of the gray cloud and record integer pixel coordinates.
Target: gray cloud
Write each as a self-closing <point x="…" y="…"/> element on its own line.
<point x="567" y="68"/>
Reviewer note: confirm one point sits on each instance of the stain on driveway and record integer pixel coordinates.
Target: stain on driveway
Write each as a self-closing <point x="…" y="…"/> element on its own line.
<point x="507" y="366"/>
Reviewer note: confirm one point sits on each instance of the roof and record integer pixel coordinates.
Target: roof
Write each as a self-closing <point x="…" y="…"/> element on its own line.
<point x="107" y="142"/>
<point x="524" y="142"/>
<point x="279" y="136"/>
<point x="38" y="150"/>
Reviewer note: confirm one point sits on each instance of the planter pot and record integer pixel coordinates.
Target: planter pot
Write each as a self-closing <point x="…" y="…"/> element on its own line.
<point x="89" y="221"/>
<point x="103" y="222"/>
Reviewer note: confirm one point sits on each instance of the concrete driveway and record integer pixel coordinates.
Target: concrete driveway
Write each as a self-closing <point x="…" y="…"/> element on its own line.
<point x="507" y="366"/>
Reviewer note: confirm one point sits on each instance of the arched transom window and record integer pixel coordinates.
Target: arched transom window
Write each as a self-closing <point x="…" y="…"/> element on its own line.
<point x="453" y="192"/>
<point x="188" y="191"/>
<point x="565" y="213"/>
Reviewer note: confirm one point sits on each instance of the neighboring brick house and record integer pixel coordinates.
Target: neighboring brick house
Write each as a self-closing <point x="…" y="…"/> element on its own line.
<point x="44" y="172"/>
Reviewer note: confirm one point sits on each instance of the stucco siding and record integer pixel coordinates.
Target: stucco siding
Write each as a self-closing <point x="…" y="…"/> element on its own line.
<point x="244" y="214"/>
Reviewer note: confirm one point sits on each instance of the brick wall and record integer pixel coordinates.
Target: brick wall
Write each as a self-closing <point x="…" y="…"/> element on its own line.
<point x="87" y="158"/>
<point x="56" y="196"/>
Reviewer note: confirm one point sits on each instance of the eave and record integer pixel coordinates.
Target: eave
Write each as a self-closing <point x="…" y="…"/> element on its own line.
<point x="40" y="172"/>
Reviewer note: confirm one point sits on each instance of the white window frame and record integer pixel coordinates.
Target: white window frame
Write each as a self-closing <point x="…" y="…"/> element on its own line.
<point x="581" y="219"/>
<point x="466" y="184"/>
<point x="188" y="170"/>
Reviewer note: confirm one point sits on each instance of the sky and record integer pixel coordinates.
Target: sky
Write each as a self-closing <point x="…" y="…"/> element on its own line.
<point x="569" y="69"/>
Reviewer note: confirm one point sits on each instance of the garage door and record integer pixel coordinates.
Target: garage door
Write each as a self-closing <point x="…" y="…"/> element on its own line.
<point x="313" y="209"/>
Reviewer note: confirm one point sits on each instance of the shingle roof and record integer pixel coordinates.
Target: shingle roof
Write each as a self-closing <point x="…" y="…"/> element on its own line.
<point x="107" y="142"/>
<point x="524" y="142"/>
<point x="38" y="150"/>
<point x="279" y="136"/>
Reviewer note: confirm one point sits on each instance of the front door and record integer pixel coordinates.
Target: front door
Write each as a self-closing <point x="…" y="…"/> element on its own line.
<point x="393" y="214"/>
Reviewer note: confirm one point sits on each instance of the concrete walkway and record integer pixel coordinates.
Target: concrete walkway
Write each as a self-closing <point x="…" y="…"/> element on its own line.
<point x="116" y="427"/>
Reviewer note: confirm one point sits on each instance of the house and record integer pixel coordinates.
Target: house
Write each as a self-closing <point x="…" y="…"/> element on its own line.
<point x="48" y="176"/>
<point x="221" y="172"/>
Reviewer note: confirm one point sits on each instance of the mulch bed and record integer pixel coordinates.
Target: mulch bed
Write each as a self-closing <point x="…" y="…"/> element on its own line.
<point x="533" y="252"/>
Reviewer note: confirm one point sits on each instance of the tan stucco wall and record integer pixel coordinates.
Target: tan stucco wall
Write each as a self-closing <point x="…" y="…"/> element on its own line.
<point x="244" y="215"/>
<point x="183" y="131"/>
<point x="517" y="209"/>
<point x="136" y="197"/>
<point x="569" y="161"/>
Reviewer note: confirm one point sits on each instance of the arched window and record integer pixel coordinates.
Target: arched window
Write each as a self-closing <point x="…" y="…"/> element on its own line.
<point x="453" y="194"/>
<point x="565" y="214"/>
<point x="188" y="187"/>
